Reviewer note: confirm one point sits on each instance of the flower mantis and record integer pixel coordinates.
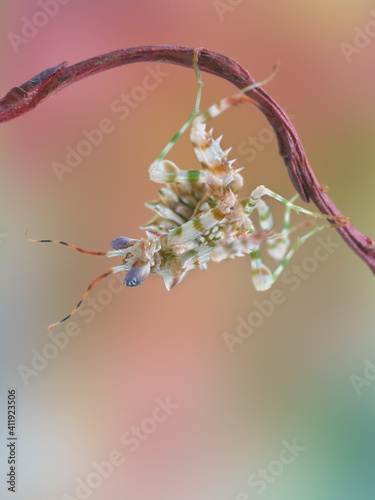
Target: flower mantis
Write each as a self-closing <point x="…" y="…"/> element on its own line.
<point x="199" y="216"/>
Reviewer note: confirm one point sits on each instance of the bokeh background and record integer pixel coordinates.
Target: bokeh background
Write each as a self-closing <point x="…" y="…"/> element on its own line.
<point x="292" y="379"/>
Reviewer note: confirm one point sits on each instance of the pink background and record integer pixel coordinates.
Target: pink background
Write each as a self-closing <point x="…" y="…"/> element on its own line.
<point x="291" y="379"/>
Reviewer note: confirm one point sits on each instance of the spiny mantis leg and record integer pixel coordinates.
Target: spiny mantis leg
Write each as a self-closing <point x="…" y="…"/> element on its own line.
<point x="245" y="243"/>
<point x="165" y="171"/>
<point x="153" y="170"/>
<point x="278" y="245"/>
<point x="228" y="102"/>
<point x="262" y="277"/>
<point x="260" y="191"/>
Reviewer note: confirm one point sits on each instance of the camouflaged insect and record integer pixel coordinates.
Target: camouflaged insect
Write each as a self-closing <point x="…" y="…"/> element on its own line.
<point x="199" y="216"/>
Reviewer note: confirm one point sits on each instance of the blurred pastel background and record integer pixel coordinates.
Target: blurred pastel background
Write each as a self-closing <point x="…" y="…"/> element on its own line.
<point x="292" y="379"/>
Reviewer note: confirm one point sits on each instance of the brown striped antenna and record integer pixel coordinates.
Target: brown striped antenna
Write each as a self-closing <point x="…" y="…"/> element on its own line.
<point x="91" y="285"/>
<point x="82" y="250"/>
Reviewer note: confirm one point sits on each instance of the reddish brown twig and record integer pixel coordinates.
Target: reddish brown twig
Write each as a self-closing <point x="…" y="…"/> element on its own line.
<point x="27" y="96"/>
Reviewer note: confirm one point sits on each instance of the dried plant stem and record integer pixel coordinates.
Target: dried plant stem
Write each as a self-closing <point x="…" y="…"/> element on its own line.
<point x="27" y="96"/>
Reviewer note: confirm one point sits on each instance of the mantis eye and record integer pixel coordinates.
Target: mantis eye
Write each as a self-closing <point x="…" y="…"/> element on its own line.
<point x="137" y="275"/>
<point x="121" y="242"/>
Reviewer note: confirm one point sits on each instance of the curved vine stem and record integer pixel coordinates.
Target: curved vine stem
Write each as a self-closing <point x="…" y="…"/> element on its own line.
<point x="27" y="96"/>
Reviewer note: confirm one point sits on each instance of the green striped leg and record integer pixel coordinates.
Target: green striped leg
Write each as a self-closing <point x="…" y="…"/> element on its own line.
<point x="206" y="148"/>
<point x="165" y="171"/>
<point x="160" y="169"/>
<point x="263" y="279"/>
<point x="228" y="102"/>
<point x="277" y="245"/>
<point x="262" y="191"/>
